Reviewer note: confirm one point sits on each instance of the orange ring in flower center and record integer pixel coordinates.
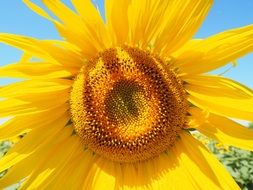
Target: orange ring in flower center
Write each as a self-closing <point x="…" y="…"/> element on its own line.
<point x="126" y="106"/>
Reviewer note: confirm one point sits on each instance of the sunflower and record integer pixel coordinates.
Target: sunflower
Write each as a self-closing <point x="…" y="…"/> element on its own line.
<point x="112" y="105"/>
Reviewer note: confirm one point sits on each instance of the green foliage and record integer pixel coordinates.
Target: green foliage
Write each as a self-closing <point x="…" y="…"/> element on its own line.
<point x="251" y="125"/>
<point x="4" y="147"/>
<point x="239" y="164"/>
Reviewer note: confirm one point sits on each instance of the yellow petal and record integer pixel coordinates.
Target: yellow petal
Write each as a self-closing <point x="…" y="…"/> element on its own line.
<point x="224" y="130"/>
<point x="180" y="21"/>
<point x="35" y="71"/>
<point x="217" y="86"/>
<point x="186" y="47"/>
<point x="87" y="11"/>
<point x="140" y="175"/>
<point x="31" y="103"/>
<point x="34" y="140"/>
<point x="13" y="107"/>
<point x="23" y="124"/>
<point x="71" y="32"/>
<point x="216" y="51"/>
<point x="50" y="51"/>
<point x="145" y="18"/>
<point x="101" y="175"/>
<point x="187" y="164"/>
<point x="129" y="177"/>
<point x="29" y="96"/>
<point x="155" y="174"/>
<point x="85" y="34"/>
<point x="72" y="59"/>
<point x="19" y="171"/>
<point x="200" y="165"/>
<point x="117" y="20"/>
<point x="74" y="173"/>
<point x="172" y="175"/>
<point x="33" y="87"/>
<point x="221" y="96"/>
<point x="53" y="163"/>
<point x="241" y="109"/>
<point x="39" y="10"/>
<point x="26" y="44"/>
<point x="93" y="20"/>
<point x="22" y="169"/>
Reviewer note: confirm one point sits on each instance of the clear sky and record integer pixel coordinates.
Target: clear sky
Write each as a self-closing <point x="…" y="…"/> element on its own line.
<point x="15" y="17"/>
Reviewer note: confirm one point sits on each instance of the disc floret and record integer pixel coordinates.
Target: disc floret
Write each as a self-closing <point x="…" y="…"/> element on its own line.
<point x="126" y="106"/>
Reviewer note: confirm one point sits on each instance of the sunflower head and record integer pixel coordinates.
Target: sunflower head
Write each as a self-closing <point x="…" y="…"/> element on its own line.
<point x="130" y="88"/>
<point x="127" y="105"/>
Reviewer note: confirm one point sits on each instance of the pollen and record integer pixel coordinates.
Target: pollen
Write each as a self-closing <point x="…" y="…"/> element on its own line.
<point x="127" y="105"/>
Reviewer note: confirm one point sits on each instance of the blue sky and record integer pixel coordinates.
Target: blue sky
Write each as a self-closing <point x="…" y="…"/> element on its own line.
<point x="15" y="17"/>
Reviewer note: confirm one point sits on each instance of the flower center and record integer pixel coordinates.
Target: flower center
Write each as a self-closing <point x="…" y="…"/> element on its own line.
<point x="127" y="105"/>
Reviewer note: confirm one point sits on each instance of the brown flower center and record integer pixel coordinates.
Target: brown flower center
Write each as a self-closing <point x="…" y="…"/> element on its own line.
<point x="126" y="106"/>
